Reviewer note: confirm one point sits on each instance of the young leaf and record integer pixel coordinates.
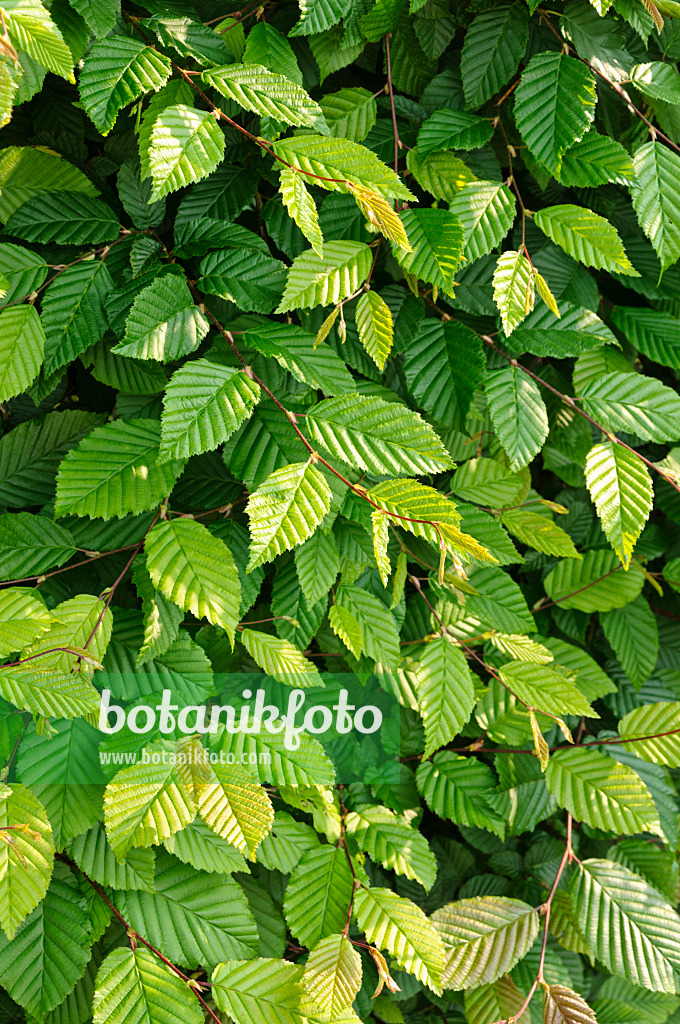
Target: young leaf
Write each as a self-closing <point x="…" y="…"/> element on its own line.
<point x="622" y="492"/>
<point x="116" y="72"/>
<point x="301" y="207"/>
<point x="134" y="987"/>
<point x="653" y="720"/>
<point x="513" y="289"/>
<point x="163" y="323"/>
<point x="375" y="326"/>
<point x="656" y="199"/>
<point x="445" y="693"/>
<point x="396" y="924"/>
<point x="587" y="237"/>
<point x="637" y="404"/>
<point x="321" y="280"/>
<point x="285" y="510"/>
<point x="25" y="863"/>
<point x="266" y="93"/>
<point x="185" y="146"/>
<point x="333" y="974"/>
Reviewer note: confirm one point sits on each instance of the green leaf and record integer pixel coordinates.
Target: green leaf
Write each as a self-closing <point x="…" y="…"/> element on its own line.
<point x="94" y="856"/>
<point x="639" y="405"/>
<point x="341" y="161"/>
<point x="199" y="846"/>
<point x="499" y="601"/>
<point x="457" y="788"/>
<point x="203" y="405"/>
<point x="593" y="583"/>
<point x="633" y="634"/>
<point x="487" y="211"/>
<point x="41" y="694"/>
<point x="185" y="145"/>
<point x="445" y="693"/>
<point x="113" y="471"/>
<point x="484" y="938"/>
<point x="596" y="160"/>
<point x="317" y="563"/>
<point x="318" y="15"/>
<point x="544" y="689"/>
<point x="23" y="270"/>
<point x="266" y="93"/>
<point x="321" y="280"/>
<point x="26" y="173"/>
<point x="23" y="618"/>
<point x="396" y="924"/>
<point x="349" y="113"/>
<point x="494" y="45"/>
<point x="441" y="174"/>
<point x="22" y="344"/>
<point x="651" y="720"/>
<point x="436" y="237"/>
<point x="333" y="974"/>
<point x="389" y="840"/>
<point x="32" y="30"/>
<point x="629" y="927"/>
<point x="622" y="492"/>
<point x="318" y="895"/>
<point x="100" y="15"/>
<point x="656" y="199"/>
<point x="655" y="334"/>
<point x="81" y="620"/>
<point x="453" y="129"/>
<point x="372" y="626"/>
<point x="196" y="570"/>
<point x="657" y="80"/>
<point x="67" y="218"/>
<point x="162" y="618"/>
<point x="116" y="72"/>
<point x="251" y="280"/>
<point x="443" y="365"/>
<point x="563" y="1006"/>
<point x="193" y="917"/>
<point x="301" y="207"/>
<point x="518" y="413"/>
<point x="258" y="991"/>
<point x="266" y="45"/>
<point x="539" y="532"/>
<point x="163" y="323"/>
<point x="513" y="288"/>
<point x="285" y="510"/>
<point x="298" y="351"/>
<point x="134" y="987"/>
<point x="585" y="236"/>
<point x="73" y="312"/>
<point x="375" y="326"/>
<point x="377" y="436"/>
<point x="554" y="106"/>
<point x="596" y="789"/>
<point x="26" y="862"/>
<point x="280" y="659"/>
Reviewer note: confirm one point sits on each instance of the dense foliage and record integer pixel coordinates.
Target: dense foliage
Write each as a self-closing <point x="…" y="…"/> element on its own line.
<point x="339" y="348"/>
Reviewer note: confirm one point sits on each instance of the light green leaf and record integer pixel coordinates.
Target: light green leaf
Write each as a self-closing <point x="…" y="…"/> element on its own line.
<point x="318" y="895"/>
<point x="486" y="210"/>
<point x="375" y="326"/>
<point x="113" y="471"/>
<point x="544" y="689"/>
<point x="656" y="199"/>
<point x="203" y="405"/>
<point x="350" y="113"/>
<point x="484" y="937"/>
<point x="622" y="492"/>
<point x="116" y="72"/>
<point x="134" y="987"/>
<point x="396" y="924"/>
<point x="494" y="45"/>
<point x="26" y="862"/>
<point x="317" y="563"/>
<point x="100" y="15"/>
<point x="596" y="789"/>
<point x="628" y="925"/>
<point x="333" y="974"/>
<point x="436" y="237"/>
<point x="596" y="160"/>
<point x="301" y="207"/>
<point x="653" y="720"/>
<point x="26" y="172"/>
<point x="585" y="236"/>
<point x="445" y="692"/>
<point x="554" y="106"/>
<point x="22" y="343"/>
<point x="321" y="280"/>
<point x="185" y="145"/>
<point x="513" y="288"/>
<point x="280" y="659"/>
<point x="367" y="623"/>
<point x="196" y="570"/>
<point x="264" y="92"/>
<point x="94" y="856"/>
<point x="299" y="352"/>
<point x="518" y="413"/>
<point x="73" y="312"/>
<point x="285" y="510"/>
<point x="636" y="404"/>
<point x="163" y="323"/>
<point x="539" y="532"/>
<point x="389" y="840"/>
<point x="377" y="436"/>
<point x="32" y="30"/>
<point x="259" y="991"/>
<point x="657" y="80"/>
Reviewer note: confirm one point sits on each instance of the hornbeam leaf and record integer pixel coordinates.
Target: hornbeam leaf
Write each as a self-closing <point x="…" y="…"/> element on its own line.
<point x="67" y="218"/>
<point x="32" y="30"/>
<point x="539" y="532"/>
<point x="203" y="405"/>
<point x="319" y="895"/>
<point x="585" y="236"/>
<point x="639" y="405"/>
<point x="116" y="72"/>
<point x="396" y="924"/>
<point x="544" y="689"/>
<point x="518" y="413"/>
<point x="375" y="326"/>
<point x="263" y="92"/>
<point x="622" y="492"/>
<point x="596" y="160"/>
<point x="301" y="207"/>
<point x="22" y="344"/>
<point x="483" y="937"/>
<point x="259" y="991"/>
<point x="280" y="659"/>
<point x="285" y="510"/>
<point x="26" y="862"/>
<point x="113" y="471"/>
<point x="196" y="570"/>
<point x="389" y="840"/>
<point x="437" y="239"/>
<point x="185" y="145"/>
<point x="486" y="210"/>
<point x="300" y="352"/>
<point x="655" y="334"/>
<point x="364" y="623"/>
<point x="653" y="720"/>
<point x="513" y="289"/>
<point x="333" y="974"/>
<point x="656" y="199"/>
<point x="26" y="172"/>
<point x="73" y="312"/>
<point x="453" y="129"/>
<point x="627" y="925"/>
<point x="94" y="856"/>
<point x="554" y="106"/>
<point x="443" y="365"/>
<point x="335" y="164"/>
<point x="445" y="692"/>
<point x="31" y="544"/>
<point x="134" y="987"/>
<point x="457" y="788"/>
<point x="593" y="583"/>
<point x="163" y="323"/>
<point x="494" y="45"/>
<point x="379" y="437"/>
<point x="596" y="789"/>
<point x="321" y="280"/>
<point x="350" y="113"/>
<point x="562" y="1006"/>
